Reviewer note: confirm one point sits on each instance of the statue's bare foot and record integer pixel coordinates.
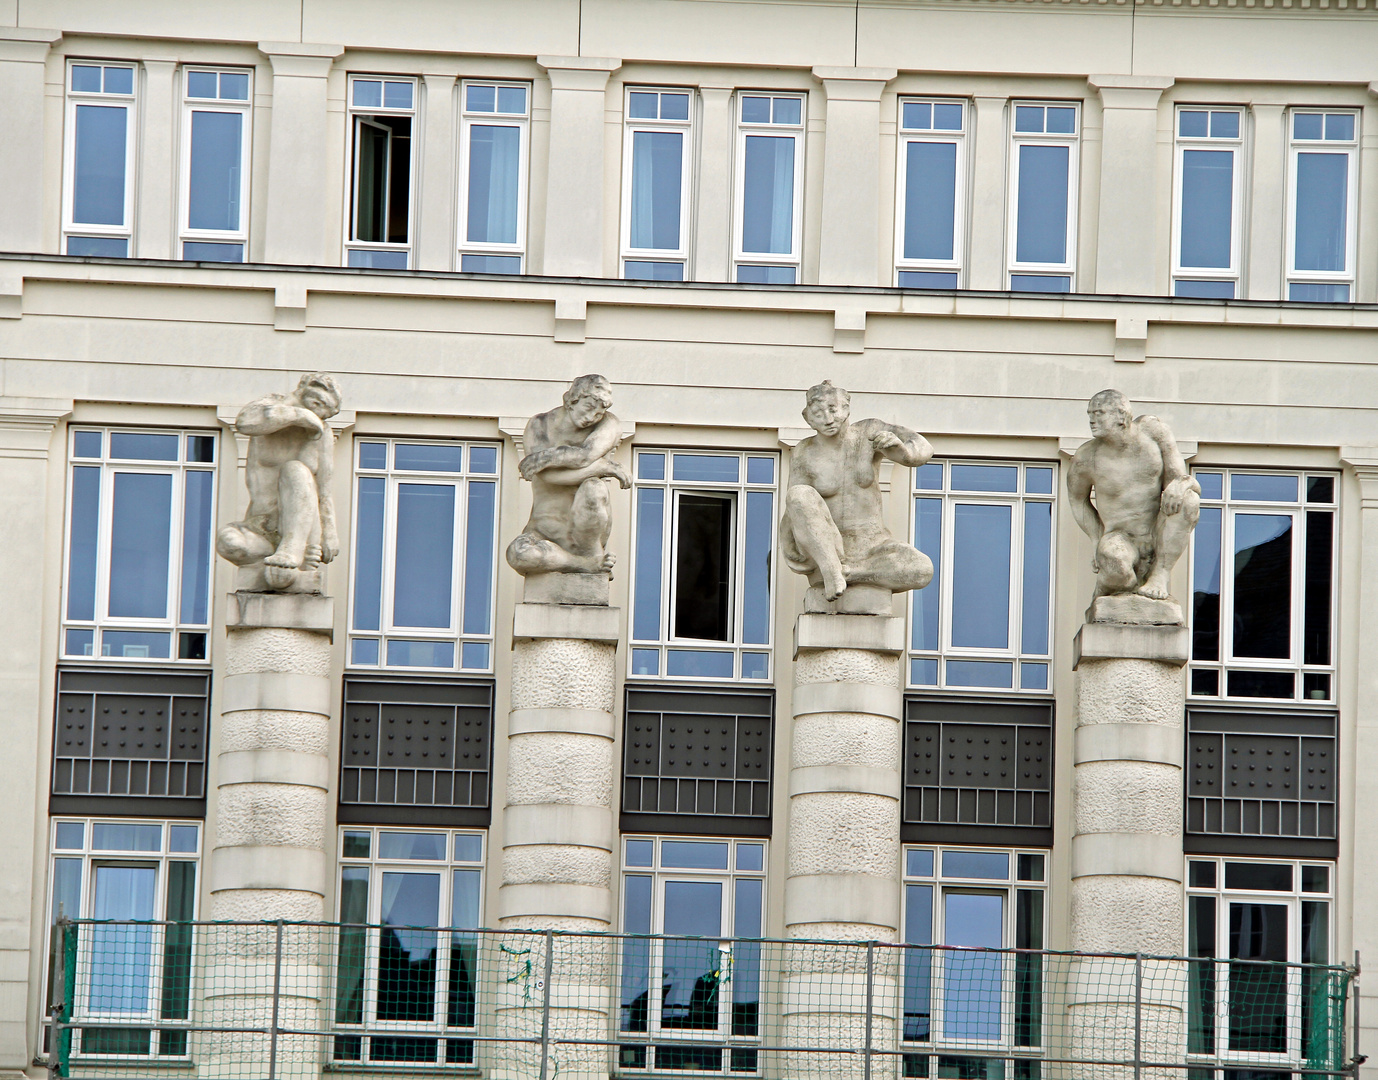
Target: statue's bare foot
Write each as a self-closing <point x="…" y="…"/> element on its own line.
<point x="834" y="584"/>
<point x="283" y="559"/>
<point x="1155" y="588"/>
<point x="312" y="558"/>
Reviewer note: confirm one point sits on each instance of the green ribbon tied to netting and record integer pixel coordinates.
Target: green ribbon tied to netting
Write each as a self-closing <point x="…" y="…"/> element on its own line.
<point x="523" y="972"/>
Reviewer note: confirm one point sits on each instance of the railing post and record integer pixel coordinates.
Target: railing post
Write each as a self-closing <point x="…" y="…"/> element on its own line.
<point x="57" y="1003"/>
<point x="545" y="1002"/>
<point x="1355" y="1056"/>
<point x="870" y="999"/>
<point x="1138" y="1013"/>
<point x="277" y="989"/>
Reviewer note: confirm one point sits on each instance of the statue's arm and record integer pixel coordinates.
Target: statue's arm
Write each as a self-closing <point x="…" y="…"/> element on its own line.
<point x="267" y="415"/>
<point x="574" y="463"/>
<point x="899" y="444"/>
<point x="1177" y="482"/>
<point x="1079" y="484"/>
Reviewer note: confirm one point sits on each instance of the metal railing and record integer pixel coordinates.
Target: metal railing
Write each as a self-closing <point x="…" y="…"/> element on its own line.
<point x="278" y="999"/>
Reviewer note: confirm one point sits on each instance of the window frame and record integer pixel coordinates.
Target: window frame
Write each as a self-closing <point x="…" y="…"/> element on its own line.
<point x="1351" y="148"/>
<point x="189" y="105"/>
<point x="130" y="102"/>
<point x="741" y="131"/>
<point x="688" y="129"/>
<point x="960" y="138"/>
<point x="467" y="120"/>
<point x="1018" y="139"/>
<point x="354" y="115"/>
<point x="1238" y="145"/>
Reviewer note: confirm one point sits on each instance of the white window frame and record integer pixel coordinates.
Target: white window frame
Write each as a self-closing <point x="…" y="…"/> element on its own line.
<point x="522" y="122"/>
<point x="794" y="258"/>
<point x="1350" y="148"/>
<point x="686" y="128"/>
<point x="957" y="264"/>
<point x="355" y="114"/>
<point x="130" y="103"/>
<point x="185" y="233"/>
<point x="1234" y="273"/>
<point x="1067" y="268"/>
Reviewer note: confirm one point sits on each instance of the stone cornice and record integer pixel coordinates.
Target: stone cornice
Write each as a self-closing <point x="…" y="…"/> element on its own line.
<point x="1339" y="7"/>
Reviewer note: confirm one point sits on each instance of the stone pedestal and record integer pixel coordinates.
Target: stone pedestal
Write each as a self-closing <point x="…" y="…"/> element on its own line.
<point x="844" y="837"/>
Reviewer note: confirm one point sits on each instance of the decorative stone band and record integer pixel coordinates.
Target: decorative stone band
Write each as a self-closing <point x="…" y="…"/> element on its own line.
<point x="842" y="898"/>
<point x="273" y="767"/>
<point x="829" y="779"/>
<point x="281" y="691"/>
<point x="555" y="899"/>
<point x="875" y="633"/>
<point x="557" y="823"/>
<point x="580" y="622"/>
<point x="268" y="867"/>
<point x="1122" y="854"/>
<point x="1120" y="641"/>
<point x="296" y="611"/>
<point x="848" y="697"/>
<point x="560" y="722"/>
<point x="1130" y="742"/>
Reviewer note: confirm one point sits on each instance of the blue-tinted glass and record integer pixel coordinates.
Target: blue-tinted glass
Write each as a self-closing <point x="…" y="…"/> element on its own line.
<point x="973" y="981"/>
<point x="750" y="857"/>
<point x="201" y="448"/>
<point x="650" y="538"/>
<point x="929" y="477"/>
<point x="643" y="106"/>
<point x="1193" y="123"/>
<point x="79" y="643"/>
<point x="143" y="446"/>
<point x="86" y="78"/>
<point x="1033" y="676"/>
<point x="136" y="644"/>
<point x="404" y="845"/>
<point x="1224" y="125"/>
<point x="98" y="165"/>
<point x="396" y="95"/>
<point x="918" y="963"/>
<point x="377" y="260"/>
<point x="755" y="665"/>
<point x="980" y="673"/>
<point x="373" y="455"/>
<point x="927" y="279"/>
<point x="657" y="169"/>
<point x="214" y="186"/>
<point x="930" y="200"/>
<point x="71" y="836"/>
<point x="465" y="899"/>
<point x="768" y="194"/>
<point x="980" y="576"/>
<point x="636" y="954"/>
<point x="674" y="106"/>
<point x="760" y="470"/>
<point x="121" y="957"/>
<point x="1038" y="481"/>
<point x="494" y="177"/>
<point x="429" y="457"/>
<point x="473" y="656"/>
<point x="368" y="549"/>
<point x="202" y="84"/>
<point x="118" y="836"/>
<point x="650" y="466"/>
<point x="234" y="85"/>
<point x="368" y="94"/>
<point x="755" y="110"/>
<point x="1318" y="294"/>
<point x="1004" y="478"/>
<point x="1204" y="290"/>
<point x="1028" y="118"/>
<point x="640" y="853"/>
<point x="423" y="573"/>
<point x="1207" y="207"/>
<point x="196" y="548"/>
<point x="928" y="538"/>
<point x="714" y="468"/>
<point x="1038" y="552"/>
<point x="1205" y="581"/>
<point x="918" y="115"/>
<point x="1307" y="125"/>
<point x="746" y="957"/>
<point x="987" y="865"/>
<point x="468" y="848"/>
<point x="1212" y="485"/>
<point x="787" y="110"/>
<point x="483" y="459"/>
<point x="923" y="672"/>
<point x="645" y="662"/>
<point x="1339" y="126"/>
<point x="140" y="535"/>
<point x="202" y="251"/>
<point x="642" y="270"/>
<point x="765" y="275"/>
<point x="1042" y="213"/>
<point x="480" y="530"/>
<point x="512" y="99"/>
<point x="760" y="517"/>
<point x="491" y="264"/>
<point x="101" y="247"/>
<point x="364" y="651"/>
<point x="947" y="116"/>
<point x="355" y="846"/>
<point x="1041" y="283"/>
<point x="409" y="900"/>
<point x="182" y="838"/>
<point x="918" y="864"/>
<point x="83" y="531"/>
<point x="1061" y="120"/>
<point x="1322" y="209"/>
<point x="693" y="855"/>
<point x="692" y="663"/>
<point x="1257" y="487"/>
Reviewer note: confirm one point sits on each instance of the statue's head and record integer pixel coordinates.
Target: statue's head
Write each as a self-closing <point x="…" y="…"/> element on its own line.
<point x="1109" y="411"/>
<point x="588" y="400"/>
<point x="319" y="393"/>
<point x="827" y="407"/>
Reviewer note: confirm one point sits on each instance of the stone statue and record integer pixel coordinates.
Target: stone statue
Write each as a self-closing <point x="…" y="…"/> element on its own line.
<point x="832" y="529"/>
<point x="1146" y="504"/>
<point x="568" y="459"/>
<point x="289" y="529"/>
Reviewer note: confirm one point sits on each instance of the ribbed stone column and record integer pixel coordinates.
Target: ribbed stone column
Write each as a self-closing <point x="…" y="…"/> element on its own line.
<point x="844" y="838"/>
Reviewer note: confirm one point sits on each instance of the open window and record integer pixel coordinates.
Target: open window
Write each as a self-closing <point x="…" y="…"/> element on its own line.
<point x="381" y="114"/>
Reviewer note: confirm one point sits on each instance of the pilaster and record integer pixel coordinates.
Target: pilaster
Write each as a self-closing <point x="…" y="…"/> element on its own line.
<point x="713" y="233"/>
<point x="986" y="259"/>
<point x="154" y="218"/>
<point x="1266" y="242"/>
<point x="23" y="56"/>
<point x="435" y="239"/>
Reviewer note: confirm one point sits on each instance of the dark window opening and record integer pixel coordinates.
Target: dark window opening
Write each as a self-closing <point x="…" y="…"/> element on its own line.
<point x="1263" y="586"/>
<point x="382" y="178"/>
<point x="703" y="567"/>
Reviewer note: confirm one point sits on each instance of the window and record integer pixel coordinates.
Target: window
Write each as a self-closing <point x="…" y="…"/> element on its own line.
<point x="984" y="622"/>
<point x="770" y="184"/>
<point x="705" y="531"/>
<point x="1264" y="630"/>
<point x="425" y="523"/>
<point x="215" y="165"/>
<point x="139" y="525"/>
<point x="134" y="971"/>
<point x="1207" y="200"/>
<point x="492" y="209"/>
<point x="1043" y="197"/>
<point x="706" y="989"/>
<point x="963" y="1003"/>
<point x="1322" y="205"/>
<point x="930" y="219"/>
<point x="98" y="189"/>
<point x="1253" y="918"/>
<point x="408" y="958"/>
<point x="655" y="185"/>
<point x="382" y="164"/>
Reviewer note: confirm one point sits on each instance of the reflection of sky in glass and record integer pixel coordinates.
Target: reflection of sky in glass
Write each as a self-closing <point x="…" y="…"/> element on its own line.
<point x="412" y="900"/>
<point x="980" y="576"/>
<point x="971" y="982"/>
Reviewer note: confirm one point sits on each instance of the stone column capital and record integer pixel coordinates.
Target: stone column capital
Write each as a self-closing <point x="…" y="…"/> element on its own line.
<point x="1364" y="461"/>
<point x="854" y="83"/>
<point x="579" y="72"/>
<point x="294" y="58"/>
<point x="1130" y="91"/>
<point x="26" y="425"/>
<point x="27" y="45"/>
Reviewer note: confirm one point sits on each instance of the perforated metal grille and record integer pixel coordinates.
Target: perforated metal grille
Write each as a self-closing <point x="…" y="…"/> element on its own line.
<point x="131" y="733"/>
<point x="413" y="743"/>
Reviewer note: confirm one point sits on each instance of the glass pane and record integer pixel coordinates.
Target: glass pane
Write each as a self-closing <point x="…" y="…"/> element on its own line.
<point x="423" y="573"/>
<point x="765" y="275"/>
<point x="66" y="905"/>
<point x="356" y="845"/>
<point x="917" y="115"/>
<point x="491" y="264"/>
<point x="750" y="857"/>
<point x="429" y="457"/>
<point x="925" y="279"/>
<point x="79" y="643"/>
<point x="918" y="864"/>
<point x="120" y="80"/>
<point x="140" y="535"/>
<point x="1207" y="207"/>
<point x="427" y="654"/>
<point x="1028" y="118"/>
<point x="657" y="169"/>
<point x="972" y="981"/>
<point x="713" y="468"/>
<point x="698" y="664"/>
<point x="407" y="957"/>
<point x="1319" y="571"/>
<point x="201" y="448"/>
<point x="1261" y="684"/>
<point x="760" y="519"/>
<point x="1224" y="125"/>
<point x="1193" y="123"/>
<point x="464" y="913"/>
<point x="930" y="200"/>
<point x="640" y="852"/>
<point x="645" y="662"/>
<point x="143" y="446"/>
<point x="82" y="538"/>
<point x="1322" y="209"/>
<point x="1267" y="877"/>
<point x="929" y="477"/>
<point x="1315" y="879"/>
<point x="234" y="86"/>
<point x="760" y="470"/>
<point x="650" y="536"/>
<point x="1263" y="585"/>
<point x="1061" y="120"/>
<point x="201" y="84"/>
<point x="1306" y="125"/>
<point x="473" y="655"/>
<point x="213" y="199"/>
<point x="1315" y="936"/>
<point x="985" y="478"/>
<point x="636" y="955"/>
<point x="206" y="252"/>
<point x="480" y="98"/>
<point x="368" y="93"/>
<point x="787" y="110"/>
<point x="1033" y="676"/>
<point x="86" y="78"/>
<point x="1337" y="125"/>
<point x="981" y="576"/>
<point x="98" y="164"/>
<point x="407" y="845"/>
<point x="1042" y="204"/>
<point x="755" y="110"/>
<point x="693" y="970"/>
<point x="947" y="116"/>
<point x="1201" y="875"/>
<point x="182" y="839"/>
<point x="483" y="459"/>
<point x="1207" y="290"/>
<point x="643" y="106"/>
<point x="768" y="194"/>
<point x="191" y="646"/>
<point x="349" y="993"/>
<point x="104" y="247"/>
<point x="746" y="956"/>
<point x="923" y="672"/>
<point x="928" y="538"/>
<point x="86" y="444"/>
<point x="1258" y="992"/>
<point x="363" y="651"/>
<point x="987" y="673"/>
<point x="1038" y="481"/>
<point x="1040" y="283"/>
<point x="1311" y="292"/>
<point x="1038" y="550"/>
<point x="121" y="955"/>
<point x="703" y="567"/>
<point x="988" y="865"/>
<point x="480" y="530"/>
<point x="1201" y="1000"/>
<point x="1205" y="585"/>
<point x="674" y="106"/>
<point x="1030" y="869"/>
<point x="71" y="836"/>
<point x="396" y="95"/>
<point x="196" y="548"/>
<point x="650" y="466"/>
<point x="918" y="963"/>
<point x="1212" y="485"/>
<point x="368" y="547"/>
<point x="494" y="177"/>
<point x="693" y="855"/>
<point x="136" y="644"/>
<point x="511" y="99"/>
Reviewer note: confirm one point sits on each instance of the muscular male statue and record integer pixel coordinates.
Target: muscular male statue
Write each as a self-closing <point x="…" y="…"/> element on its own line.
<point x="568" y="457"/>
<point x="832" y="529"/>
<point x="1146" y="501"/>
<point x="290" y="524"/>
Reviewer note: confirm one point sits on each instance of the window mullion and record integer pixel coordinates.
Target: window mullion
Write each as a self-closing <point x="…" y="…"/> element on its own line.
<point x="389" y="559"/>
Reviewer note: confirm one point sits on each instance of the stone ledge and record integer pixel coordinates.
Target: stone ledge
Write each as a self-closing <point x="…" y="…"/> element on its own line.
<point x="281" y="691"/>
<point x="577" y="622"/>
<point x="273" y="767"/>
<point x="1130" y="742"/>
<point x="268" y="867"/>
<point x="555" y="900"/>
<point x="584" y="589"/>
<point x="526" y="824"/>
<point x="874" y="633"/>
<point x="842" y="898"/>
<point x="855" y="600"/>
<point x="845" y="779"/>
<point x="560" y="722"/>
<point x="1117" y="641"/>
<point x="870" y="699"/>
<point x="1124" y="854"/>
<point x="289" y="611"/>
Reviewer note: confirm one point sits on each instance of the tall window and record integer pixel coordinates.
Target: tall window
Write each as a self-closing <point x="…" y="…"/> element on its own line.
<point x="408" y="956"/>
<point x="425" y="523"/>
<point x="930" y="218"/>
<point x="706" y="988"/>
<point x="962" y="1003"/>
<point x="1264" y="629"/>
<point x="1322" y="201"/>
<point x="655" y="184"/>
<point x="705" y="531"/>
<point x="98" y="155"/>
<point x="381" y="114"/>
<point x="133" y="973"/>
<point x="1043" y="196"/>
<point x="139" y="525"/>
<point x="492" y="201"/>
<point x="984" y="621"/>
<point x="1207" y="212"/>
<point x="770" y="185"/>
<point x="215" y="165"/>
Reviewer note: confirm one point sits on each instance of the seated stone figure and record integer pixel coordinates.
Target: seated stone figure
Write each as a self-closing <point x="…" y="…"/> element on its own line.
<point x="832" y="529"/>
<point x="1146" y="505"/>
<point x="289" y="529"/>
